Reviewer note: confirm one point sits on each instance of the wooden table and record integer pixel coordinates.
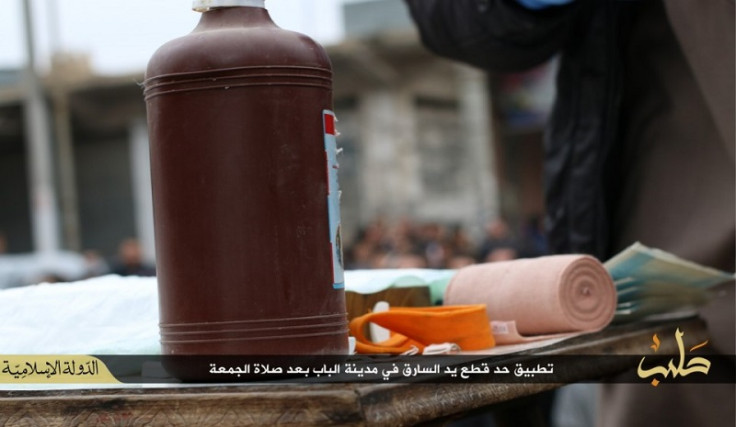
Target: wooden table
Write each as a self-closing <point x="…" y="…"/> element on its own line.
<point x="351" y="404"/>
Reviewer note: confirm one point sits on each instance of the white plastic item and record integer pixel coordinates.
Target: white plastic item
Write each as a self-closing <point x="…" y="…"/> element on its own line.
<point x="205" y="5"/>
<point x="379" y="333"/>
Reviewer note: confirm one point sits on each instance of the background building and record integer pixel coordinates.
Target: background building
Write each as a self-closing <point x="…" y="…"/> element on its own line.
<point x="423" y="138"/>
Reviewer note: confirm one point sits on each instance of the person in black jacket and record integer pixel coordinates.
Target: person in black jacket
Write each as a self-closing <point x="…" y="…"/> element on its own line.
<point x="639" y="146"/>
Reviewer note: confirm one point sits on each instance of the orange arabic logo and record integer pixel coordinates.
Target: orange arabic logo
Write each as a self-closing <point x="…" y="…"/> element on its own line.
<point x="696" y="364"/>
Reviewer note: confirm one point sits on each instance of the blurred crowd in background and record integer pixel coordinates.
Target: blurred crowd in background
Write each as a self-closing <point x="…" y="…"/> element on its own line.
<point x="409" y="244"/>
<point x="32" y="268"/>
<point x="405" y="243"/>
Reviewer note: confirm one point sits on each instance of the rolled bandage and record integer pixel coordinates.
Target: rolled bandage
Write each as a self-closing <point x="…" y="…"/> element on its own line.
<point x="547" y="295"/>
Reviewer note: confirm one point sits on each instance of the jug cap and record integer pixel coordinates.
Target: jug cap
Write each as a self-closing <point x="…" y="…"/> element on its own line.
<point x="205" y="5"/>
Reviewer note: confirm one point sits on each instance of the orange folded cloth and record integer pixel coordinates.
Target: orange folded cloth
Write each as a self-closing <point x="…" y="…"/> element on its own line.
<point x="467" y="326"/>
<point x="546" y="295"/>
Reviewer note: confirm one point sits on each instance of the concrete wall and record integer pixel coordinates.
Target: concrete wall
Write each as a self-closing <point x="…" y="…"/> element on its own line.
<point x="367" y="18"/>
<point x="15" y="219"/>
<point x="104" y="192"/>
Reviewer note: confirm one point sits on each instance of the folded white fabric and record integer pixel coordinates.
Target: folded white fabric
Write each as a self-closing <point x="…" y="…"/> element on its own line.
<point x="104" y="315"/>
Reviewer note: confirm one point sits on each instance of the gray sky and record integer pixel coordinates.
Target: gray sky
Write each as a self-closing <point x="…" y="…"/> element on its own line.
<point x="121" y="35"/>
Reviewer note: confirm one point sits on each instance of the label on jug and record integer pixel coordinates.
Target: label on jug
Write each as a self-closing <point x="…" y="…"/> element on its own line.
<point x="333" y="199"/>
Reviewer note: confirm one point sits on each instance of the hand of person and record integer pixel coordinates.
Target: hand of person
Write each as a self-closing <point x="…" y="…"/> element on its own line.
<point x="542" y="4"/>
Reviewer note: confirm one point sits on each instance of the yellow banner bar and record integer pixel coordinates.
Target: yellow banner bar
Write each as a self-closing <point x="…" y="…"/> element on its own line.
<point x="54" y="369"/>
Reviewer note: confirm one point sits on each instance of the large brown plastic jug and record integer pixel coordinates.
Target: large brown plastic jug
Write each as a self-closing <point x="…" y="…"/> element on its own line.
<point x="246" y="204"/>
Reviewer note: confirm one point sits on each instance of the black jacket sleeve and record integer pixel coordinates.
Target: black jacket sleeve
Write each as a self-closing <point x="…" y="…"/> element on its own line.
<point x="496" y="35"/>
